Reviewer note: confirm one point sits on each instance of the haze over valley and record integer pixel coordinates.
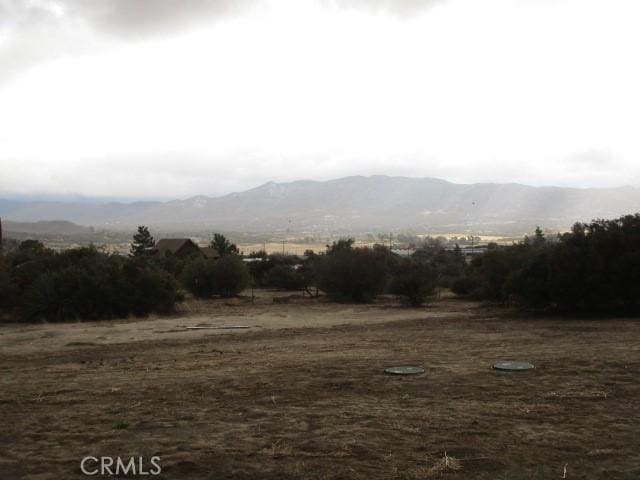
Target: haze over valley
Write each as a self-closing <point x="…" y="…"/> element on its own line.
<point x="350" y="205"/>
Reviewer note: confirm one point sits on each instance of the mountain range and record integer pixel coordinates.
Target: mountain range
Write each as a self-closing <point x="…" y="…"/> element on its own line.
<point x="46" y="227"/>
<point x="351" y="204"/>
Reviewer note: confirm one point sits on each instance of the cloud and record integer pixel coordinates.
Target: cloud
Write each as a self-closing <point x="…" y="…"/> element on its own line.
<point x="141" y="18"/>
<point x="37" y="31"/>
<point x="400" y="8"/>
<point x="33" y="32"/>
<point x="597" y="158"/>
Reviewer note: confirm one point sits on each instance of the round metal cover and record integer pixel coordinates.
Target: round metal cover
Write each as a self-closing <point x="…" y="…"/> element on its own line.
<point x="407" y="370"/>
<point x="513" y="366"/>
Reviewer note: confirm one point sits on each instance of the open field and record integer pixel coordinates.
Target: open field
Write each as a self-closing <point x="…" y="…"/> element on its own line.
<point x="292" y="247"/>
<point x="289" y="247"/>
<point x="302" y="394"/>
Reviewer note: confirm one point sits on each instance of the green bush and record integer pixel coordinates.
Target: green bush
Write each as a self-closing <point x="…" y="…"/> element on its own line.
<point x="197" y="277"/>
<point x="595" y="267"/>
<point x="273" y="270"/>
<point x="85" y="284"/>
<point x="414" y="280"/>
<point x="230" y="276"/>
<point x="357" y="274"/>
<point x="464" y="285"/>
<point x="171" y="264"/>
<point x="8" y="290"/>
<point x="226" y="276"/>
<point x="153" y="289"/>
<point x="448" y="265"/>
<point x="285" y="277"/>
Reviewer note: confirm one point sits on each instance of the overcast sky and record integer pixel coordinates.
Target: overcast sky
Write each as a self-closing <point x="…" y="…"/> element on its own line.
<point x="173" y="98"/>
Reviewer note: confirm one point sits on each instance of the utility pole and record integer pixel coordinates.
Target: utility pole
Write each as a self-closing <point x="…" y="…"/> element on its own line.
<point x="473" y="204"/>
<point x="390" y="240"/>
<point x="283" y="247"/>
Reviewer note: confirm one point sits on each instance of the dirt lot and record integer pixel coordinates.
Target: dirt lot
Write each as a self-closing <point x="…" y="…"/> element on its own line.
<point x="302" y="394"/>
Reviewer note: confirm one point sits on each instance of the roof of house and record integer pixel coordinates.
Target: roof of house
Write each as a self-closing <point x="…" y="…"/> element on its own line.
<point x="172" y="245"/>
<point x="209" y="252"/>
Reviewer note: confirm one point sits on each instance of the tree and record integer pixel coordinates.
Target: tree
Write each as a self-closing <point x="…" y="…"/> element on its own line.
<point x="285" y="277"/>
<point x="414" y="280"/>
<point x="594" y="268"/>
<point x="8" y="288"/>
<point x="344" y="244"/>
<point x="85" y="284"/>
<point x="143" y="243"/>
<point x="226" y="277"/>
<point x="230" y="276"/>
<point x="197" y="277"/>
<point x="222" y="245"/>
<point x="538" y="238"/>
<point x="357" y="274"/>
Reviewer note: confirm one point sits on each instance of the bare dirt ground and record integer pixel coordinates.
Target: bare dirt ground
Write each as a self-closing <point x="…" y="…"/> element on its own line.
<point x="302" y="394"/>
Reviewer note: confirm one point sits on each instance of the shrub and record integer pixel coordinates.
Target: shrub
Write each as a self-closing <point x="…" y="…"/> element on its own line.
<point x="285" y="277"/>
<point x="154" y="290"/>
<point x="357" y="274"/>
<point x="8" y="290"/>
<point x="171" y="264"/>
<point x="595" y="267"/>
<point x="230" y="276"/>
<point x="226" y="276"/>
<point x="197" y="277"/>
<point x="464" y="285"/>
<point x="414" y="280"/>
<point x="276" y="270"/>
<point x="82" y="284"/>
<point x="88" y="285"/>
<point x="447" y="264"/>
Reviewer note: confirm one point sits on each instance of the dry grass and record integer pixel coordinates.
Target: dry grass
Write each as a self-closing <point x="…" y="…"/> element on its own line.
<point x="279" y="448"/>
<point x="580" y="394"/>
<point x="440" y="468"/>
<point x="305" y="396"/>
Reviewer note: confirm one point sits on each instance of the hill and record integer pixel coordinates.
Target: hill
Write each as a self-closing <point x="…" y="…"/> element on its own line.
<point x="353" y="204"/>
<point x="59" y="227"/>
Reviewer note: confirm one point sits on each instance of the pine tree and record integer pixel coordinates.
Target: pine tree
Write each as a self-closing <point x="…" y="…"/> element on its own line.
<point x="143" y="243"/>
<point x="539" y="237"/>
<point x="222" y="245"/>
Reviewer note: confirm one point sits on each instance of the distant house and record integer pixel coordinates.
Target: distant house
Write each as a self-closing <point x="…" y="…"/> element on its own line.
<point x="182" y="248"/>
<point x="468" y="251"/>
<point x="403" y="252"/>
<point x="209" y="252"/>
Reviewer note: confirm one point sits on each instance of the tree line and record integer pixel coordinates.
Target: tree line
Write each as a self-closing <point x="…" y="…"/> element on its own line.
<point x="37" y="283"/>
<point x="595" y="267"/>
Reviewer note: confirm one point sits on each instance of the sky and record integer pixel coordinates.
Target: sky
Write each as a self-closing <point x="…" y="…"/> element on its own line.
<point x="175" y="98"/>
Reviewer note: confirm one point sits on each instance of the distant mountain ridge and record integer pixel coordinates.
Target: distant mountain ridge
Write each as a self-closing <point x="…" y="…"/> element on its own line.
<point x="352" y="204"/>
<point x="45" y="227"/>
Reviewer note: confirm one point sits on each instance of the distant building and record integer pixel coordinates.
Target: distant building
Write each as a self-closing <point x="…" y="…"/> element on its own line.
<point x="210" y="252"/>
<point x="403" y="252"/>
<point x="468" y="252"/>
<point x="182" y="248"/>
